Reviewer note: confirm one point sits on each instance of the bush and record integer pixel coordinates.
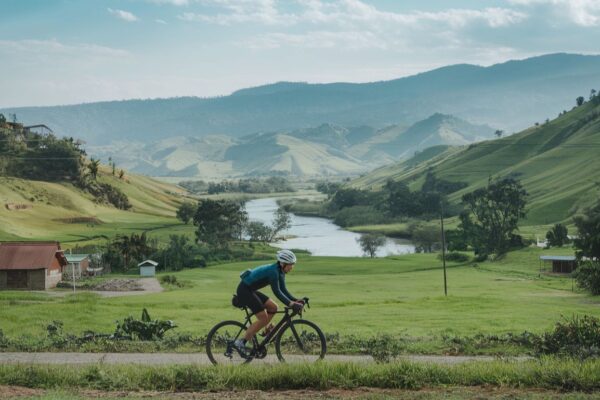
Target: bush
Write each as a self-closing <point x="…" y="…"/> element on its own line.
<point x="588" y="276"/>
<point x="144" y="329"/>
<point x="578" y="337"/>
<point x="383" y="348"/>
<point x="359" y="215"/>
<point x="456" y="256"/>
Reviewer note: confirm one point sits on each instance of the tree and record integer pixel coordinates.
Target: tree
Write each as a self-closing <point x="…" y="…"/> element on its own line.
<point x="2" y="119"/>
<point x="113" y="165"/>
<point x="587" y="276"/>
<point x="592" y="93"/>
<point x="370" y="242"/>
<point x="281" y="221"/>
<point x="499" y="133"/>
<point x="579" y="101"/>
<point x="492" y="214"/>
<point x="587" y="242"/>
<point x="186" y="212"/>
<point x="427" y="238"/>
<point x="258" y="231"/>
<point x="398" y="199"/>
<point x="92" y="168"/>
<point x="121" y="174"/>
<point x="557" y="236"/>
<point x="179" y="253"/>
<point x="219" y="221"/>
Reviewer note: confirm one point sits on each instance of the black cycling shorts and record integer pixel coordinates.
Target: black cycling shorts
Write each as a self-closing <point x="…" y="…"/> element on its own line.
<point x="255" y="300"/>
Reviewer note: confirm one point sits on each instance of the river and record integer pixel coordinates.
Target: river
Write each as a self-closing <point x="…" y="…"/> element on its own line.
<point x="320" y="236"/>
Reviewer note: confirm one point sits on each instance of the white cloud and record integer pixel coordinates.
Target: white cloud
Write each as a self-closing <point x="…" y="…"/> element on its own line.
<point x="241" y="11"/>
<point x="345" y="13"/>
<point x="124" y="15"/>
<point x="584" y="13"/>
<point x="160" y="21"/>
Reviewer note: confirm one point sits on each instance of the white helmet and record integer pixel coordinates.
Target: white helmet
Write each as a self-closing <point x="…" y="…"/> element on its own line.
<point x="286" y="257"/>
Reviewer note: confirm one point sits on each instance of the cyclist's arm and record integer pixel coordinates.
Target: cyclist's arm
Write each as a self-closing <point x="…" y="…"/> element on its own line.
<point x="276" y="288"/>
<point x="283" y="288"/>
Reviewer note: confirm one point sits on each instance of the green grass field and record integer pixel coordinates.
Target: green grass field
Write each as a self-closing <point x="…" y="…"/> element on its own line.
<point x="400" y="295"/>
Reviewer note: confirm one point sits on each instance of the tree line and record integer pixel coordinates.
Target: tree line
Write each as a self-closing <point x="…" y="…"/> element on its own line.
<point x="274" y="184"/>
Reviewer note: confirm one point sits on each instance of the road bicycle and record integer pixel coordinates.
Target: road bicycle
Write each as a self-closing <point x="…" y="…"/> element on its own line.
<point x="295" y="338"/>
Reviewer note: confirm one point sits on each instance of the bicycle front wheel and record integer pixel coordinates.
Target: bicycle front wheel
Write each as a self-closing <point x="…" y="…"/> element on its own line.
<point x="300" y="341"/>
<point x="219" y="343"/>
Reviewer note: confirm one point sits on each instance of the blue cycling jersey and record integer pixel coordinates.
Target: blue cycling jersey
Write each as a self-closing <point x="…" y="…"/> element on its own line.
<point x="270" y="274"/>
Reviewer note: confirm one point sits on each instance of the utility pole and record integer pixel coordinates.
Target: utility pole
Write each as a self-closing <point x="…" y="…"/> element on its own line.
<point x="443" y="246"/>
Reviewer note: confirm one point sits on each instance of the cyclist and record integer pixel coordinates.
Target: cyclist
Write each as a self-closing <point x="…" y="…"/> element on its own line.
<point x="261" y="305"/>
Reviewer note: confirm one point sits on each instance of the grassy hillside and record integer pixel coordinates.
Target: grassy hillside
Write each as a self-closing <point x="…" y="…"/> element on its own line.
<point x="557" y="162"/>
<point x="61" y="211"/>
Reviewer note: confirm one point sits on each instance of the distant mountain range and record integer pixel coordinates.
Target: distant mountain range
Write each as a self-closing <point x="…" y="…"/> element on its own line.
<point x="320" y="151"/>
<point x="509" y="96"/>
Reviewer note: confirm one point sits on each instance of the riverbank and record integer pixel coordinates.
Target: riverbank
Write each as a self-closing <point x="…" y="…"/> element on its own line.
<point x="320" y="236"/>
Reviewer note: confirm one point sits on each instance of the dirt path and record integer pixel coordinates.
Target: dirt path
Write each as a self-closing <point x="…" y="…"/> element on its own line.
<point x="148" y="285"/>
<point x="201" y="358"/>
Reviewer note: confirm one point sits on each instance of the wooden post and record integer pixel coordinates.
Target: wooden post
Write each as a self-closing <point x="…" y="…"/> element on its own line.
<point x="443" y="247"/>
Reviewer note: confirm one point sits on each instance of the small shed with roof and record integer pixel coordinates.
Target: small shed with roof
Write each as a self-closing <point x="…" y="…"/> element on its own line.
<point x="31" y="265"/>
<point x="78" y="265"/>
<point x="148" y="268"/>
<point x="560" y="264"/>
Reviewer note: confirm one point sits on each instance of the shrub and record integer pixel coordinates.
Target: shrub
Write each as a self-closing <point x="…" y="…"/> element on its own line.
<point x="456" y="256"/>
<point x="359" y="215"/>
<point x="588" y="276"/>
<point x="144" y="329"/>
<point x="383" y="348"/>
<point x="578" y="336"/>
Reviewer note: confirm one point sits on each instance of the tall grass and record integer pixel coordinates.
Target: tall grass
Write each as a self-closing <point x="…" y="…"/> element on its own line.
<point x="546" y="373"/>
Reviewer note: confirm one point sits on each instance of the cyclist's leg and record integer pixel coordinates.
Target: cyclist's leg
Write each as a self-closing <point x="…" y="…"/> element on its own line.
<point x="256" y="302"/>
<point x="262" y="320"/>
<point x="271" y="308"/>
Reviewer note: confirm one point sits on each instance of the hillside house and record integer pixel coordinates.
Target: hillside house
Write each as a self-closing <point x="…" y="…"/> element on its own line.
<point x="31" y="265"/>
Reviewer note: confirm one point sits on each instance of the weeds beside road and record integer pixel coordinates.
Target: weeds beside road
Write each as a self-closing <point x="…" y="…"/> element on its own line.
<point x="546" y="373"/>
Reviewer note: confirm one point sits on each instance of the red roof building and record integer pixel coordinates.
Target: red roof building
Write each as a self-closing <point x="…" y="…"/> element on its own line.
<point x="30" y="265"/>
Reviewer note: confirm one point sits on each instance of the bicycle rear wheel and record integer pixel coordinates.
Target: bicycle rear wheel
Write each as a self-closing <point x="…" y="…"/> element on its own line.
<point x="219" y="343"/>
<point x="300" y="341"/>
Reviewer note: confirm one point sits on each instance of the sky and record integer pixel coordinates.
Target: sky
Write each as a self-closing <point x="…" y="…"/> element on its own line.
<point x="55" y="52"/>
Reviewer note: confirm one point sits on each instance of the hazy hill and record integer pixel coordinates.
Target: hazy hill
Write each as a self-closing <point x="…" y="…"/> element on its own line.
<point x="326" y="149"/>
<point x="557" y="162"/>
<point x="508" y="96"/>
<point x="439" y="129"/>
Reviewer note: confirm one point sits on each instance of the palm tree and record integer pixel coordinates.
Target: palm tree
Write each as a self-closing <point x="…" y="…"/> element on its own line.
<point x="93" y="167"/>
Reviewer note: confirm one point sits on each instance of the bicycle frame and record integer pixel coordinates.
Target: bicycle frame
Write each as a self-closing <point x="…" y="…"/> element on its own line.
<point x="273" y="333"/>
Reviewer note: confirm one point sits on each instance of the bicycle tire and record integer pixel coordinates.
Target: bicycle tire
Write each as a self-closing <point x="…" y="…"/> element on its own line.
<point x="303" y="340"/>
<point x="216" y="346"/>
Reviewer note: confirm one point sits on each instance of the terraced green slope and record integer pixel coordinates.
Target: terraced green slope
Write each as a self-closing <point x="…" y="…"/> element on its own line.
<point x="557" y="162"/>
<point x="60" y="211"/>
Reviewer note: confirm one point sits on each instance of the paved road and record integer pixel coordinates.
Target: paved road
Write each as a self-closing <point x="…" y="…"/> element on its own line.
<point x="199" y="358"/>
